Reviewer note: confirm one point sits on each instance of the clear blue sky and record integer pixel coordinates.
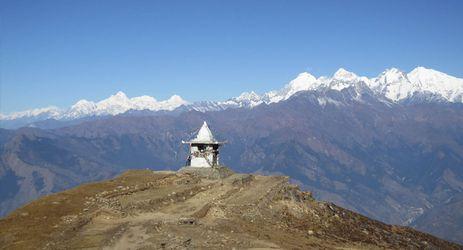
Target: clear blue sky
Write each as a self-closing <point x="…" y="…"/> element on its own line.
<point x="57" y="52"/>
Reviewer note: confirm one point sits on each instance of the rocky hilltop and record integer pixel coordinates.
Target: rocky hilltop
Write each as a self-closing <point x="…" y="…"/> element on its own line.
<point x="143" y="209"/>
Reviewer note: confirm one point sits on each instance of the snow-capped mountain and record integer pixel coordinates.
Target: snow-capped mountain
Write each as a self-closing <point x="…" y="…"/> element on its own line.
<point x="392" y="85"/>
<point x="432" y="81"/>
<point x="114" y="105"/>
<point x="120" y="103"/>
<point x="302" y="82"/>
<point x="39" y="112"/>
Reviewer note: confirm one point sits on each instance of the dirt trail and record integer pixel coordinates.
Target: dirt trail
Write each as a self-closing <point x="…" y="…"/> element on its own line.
<point x="143" y="209"/>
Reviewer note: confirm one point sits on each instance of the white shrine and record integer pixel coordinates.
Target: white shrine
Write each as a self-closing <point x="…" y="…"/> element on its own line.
<point x="204" y="149"/>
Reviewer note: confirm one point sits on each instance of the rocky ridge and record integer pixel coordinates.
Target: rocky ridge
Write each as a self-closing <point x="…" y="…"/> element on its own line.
<point x="143" y="209"/>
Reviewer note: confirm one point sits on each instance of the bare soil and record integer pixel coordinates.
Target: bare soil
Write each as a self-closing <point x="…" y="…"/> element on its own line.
<point x="143" y="209"/>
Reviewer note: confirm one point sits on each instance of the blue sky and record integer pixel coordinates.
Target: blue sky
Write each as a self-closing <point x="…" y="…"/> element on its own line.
<point x="57" y="52"/>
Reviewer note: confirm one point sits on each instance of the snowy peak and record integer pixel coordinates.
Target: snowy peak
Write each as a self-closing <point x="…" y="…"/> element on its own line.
<point x="435" y="82"/>
<point x="81" y="108"/>
<point x="120" y="103"/>
<point x="393" y="84"/>
<point x="118" y="96"/>
<point x="176" y="99"/>
<point x="82" y="104"/>
<point x="246" y="99"/>
<point x="396" y="85"/>
<point x="344" y="75"/>
<point x="420" y="84"/>
<point x="427" y="75"/>
<point x="392" y="75"/>
<point x="343" y="79"/>
<point x="248" y="96"/>
<point x="303" y="81"/>
<point x="113" y="105"/>
<point x="142" y="101"/>
<point x="50" y="111"/>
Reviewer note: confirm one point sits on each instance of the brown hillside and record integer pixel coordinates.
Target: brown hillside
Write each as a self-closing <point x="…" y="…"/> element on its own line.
<point x="142" y="209"/>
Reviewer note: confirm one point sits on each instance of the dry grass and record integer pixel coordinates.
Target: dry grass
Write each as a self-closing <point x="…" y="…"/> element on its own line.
<point x="143" y="209"/>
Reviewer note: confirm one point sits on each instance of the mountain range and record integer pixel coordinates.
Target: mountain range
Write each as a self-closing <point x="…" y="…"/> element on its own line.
<point x="392" y="85"/>
<point x="389" y="147"/>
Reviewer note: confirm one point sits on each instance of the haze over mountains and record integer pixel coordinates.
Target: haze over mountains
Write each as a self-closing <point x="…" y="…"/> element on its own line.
<point x="389" y="147"/>
<point x="391" y="85"/>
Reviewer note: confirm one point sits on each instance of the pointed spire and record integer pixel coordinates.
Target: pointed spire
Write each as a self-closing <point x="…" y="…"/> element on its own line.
<point x="204" y="134"/>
